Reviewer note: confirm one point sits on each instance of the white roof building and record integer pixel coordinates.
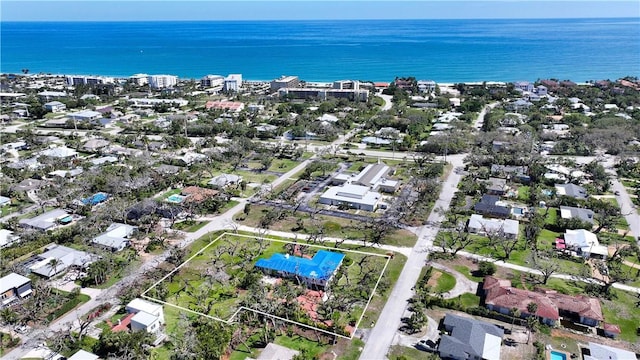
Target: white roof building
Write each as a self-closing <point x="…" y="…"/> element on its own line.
<point x="116" y="237"/>
<point x="46" y="221"/>
<point x="604" y="352"/>
<point x="83" y="355"/>
<point x="20" y="287"/>
<point x="137" y="305"/>
<point x="85" y="115"/>
<point x="7" y="238"/>
<point x="586" y="241"/>
<point x="59" y="152"/>
<point x="479" y="224"/>
<point x="223" y="180"/>
<point x="354" y="196"/>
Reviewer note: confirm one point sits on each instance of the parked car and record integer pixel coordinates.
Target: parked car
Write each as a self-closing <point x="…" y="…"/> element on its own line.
<point x="426" y="345"/>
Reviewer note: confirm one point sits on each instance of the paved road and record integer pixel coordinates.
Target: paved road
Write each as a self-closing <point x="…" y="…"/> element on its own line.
<point x="381" y="336"/>
<point x="387" y="101"/>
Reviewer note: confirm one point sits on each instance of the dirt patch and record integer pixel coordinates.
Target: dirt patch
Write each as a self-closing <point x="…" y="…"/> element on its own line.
<point x="433" y="280"/>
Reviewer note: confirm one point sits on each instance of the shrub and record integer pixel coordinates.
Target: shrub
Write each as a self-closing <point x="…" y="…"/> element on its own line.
<point x="486" y="268"/>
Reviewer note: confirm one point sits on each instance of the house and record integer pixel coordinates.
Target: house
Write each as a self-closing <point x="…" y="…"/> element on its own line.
<point x="94" y="145"/>
<point x="48" y="220"/>
<point x="519" y="105"/>
<point x="279" y="352"/>
<point x="470" y="339"/>
<point x="196" y="194"/>
<point x="29" y="185"/>
<point x="426" y="86"/>
<point x="501" y="297"/>
<point x="604" y="352"/>
<point x="60" y="152"/>
<point x="67" y="173"/>
<point x="496" y="186"/>
<point x="224" y="180"/>
<point x="232" y="106"/>
<point x="585" y="243"/>
<point x="353" y="196"/>
<point x="14" y="287"/>
<point x="85" y="115"/>
<point x="5" y="201"/>
<point x="523" y="86"/>
<point x="83" y="355"/>
<point x="190" y="158"/>
<point x="116" y="237"/>
<point x="569" y="212"/>
<point x="57" y="259"/>
<point x="316" y="272"/>
<point x="7" y="238"/>
<point x="104" y="160"/>
<point x="571" y="190"/>
<point x="42" y="353"/>
<point x="148" y="316"/>
<point x="611" y="330"/>
<point x="479" y="225"/>
<point x="517" y="173"/>
<point x="488" y="205"/>
<point x="55" y="106"/>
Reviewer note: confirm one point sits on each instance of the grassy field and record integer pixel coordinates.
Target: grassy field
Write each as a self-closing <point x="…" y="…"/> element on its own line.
<point x="467" y="273"/>
<point x="190" y="225"/>
<point x="331" y="226"/>
<point x="444" y="281"/>
<point x="223" y="298"/>
<point x="402" y="352"/>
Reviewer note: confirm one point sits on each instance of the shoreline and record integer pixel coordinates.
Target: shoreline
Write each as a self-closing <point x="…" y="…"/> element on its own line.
<point x="440" y="83"/>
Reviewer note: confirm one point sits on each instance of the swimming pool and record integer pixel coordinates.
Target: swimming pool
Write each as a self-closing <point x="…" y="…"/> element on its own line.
<point x="558" y="355"/>
<point x="547" y="192"/>
<point x="517" y="211"/>
<point x="175" y="198"/>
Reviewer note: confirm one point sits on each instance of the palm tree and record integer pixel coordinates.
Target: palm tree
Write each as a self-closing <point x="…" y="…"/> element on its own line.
<point x="514" y="312"/>
<point x="54" y="263"/>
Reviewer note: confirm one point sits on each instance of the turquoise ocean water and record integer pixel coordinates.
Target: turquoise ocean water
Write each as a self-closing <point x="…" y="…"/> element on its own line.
<point x="379" y="50"/>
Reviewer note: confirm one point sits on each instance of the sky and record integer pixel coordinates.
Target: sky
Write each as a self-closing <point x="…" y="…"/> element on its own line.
<point x="149" y="10"/>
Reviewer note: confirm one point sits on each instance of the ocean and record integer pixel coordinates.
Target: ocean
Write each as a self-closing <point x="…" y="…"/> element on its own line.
<point x="377" y="50"/>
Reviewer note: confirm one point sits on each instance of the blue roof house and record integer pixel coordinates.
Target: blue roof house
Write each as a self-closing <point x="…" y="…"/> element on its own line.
<point x="316" y="272"/>
<point x="95" y="199"/>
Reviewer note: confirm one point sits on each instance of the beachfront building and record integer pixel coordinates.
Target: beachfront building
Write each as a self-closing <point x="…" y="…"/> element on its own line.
<point x="346" y="85"/>
<point x="284" y="82"/>
<point x="14" y="287"/>
<point x="148" y="103"/>
<point x="162" y="81"/>
<point x="324" y="93"/>
<point x="73" y="80"/>
<point x="426" y="86"/>
<point x="315" y="273"/>
<point x="212" y="81"/>
<point x="233" y="82"/>
<point x="139" y="79"/>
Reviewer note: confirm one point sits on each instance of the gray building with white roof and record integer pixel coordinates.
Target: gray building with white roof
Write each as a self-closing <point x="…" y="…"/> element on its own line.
<point x="116" y="238"/>
<point x="13" y="287"/>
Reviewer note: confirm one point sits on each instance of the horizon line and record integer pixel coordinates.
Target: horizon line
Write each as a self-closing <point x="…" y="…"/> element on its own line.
<point x="312" y="19"/>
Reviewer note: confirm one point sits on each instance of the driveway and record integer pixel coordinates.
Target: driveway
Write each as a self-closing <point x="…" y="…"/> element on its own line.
<point x="463" y="285"/>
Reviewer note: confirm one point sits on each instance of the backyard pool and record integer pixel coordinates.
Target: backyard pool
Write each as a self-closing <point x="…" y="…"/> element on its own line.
<point x="517" y="211"/>
<point x="176" y="198"/>
<point x="558" y="355"/>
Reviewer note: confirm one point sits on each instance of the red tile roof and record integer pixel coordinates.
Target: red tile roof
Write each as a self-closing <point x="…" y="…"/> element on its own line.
<point x="124" y="323"/>
<point x="611" y="328"/>
<point x="500" y="293"/>
<point x="197" y="194"/>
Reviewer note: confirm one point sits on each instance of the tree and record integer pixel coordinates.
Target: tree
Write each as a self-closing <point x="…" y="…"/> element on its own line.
<point x="132" y="345"/>
<point x="455" y="239"/>
<point x="500" y="240"/>
<point x="546" y="262"/>
<point x="606" y="214"/>
<point x="212" y="339"/>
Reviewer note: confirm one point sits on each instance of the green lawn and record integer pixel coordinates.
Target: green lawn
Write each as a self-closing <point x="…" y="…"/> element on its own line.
<point x="299" y="343"/>
<point x="170" y="192"/>
<point x="446" y="281"/>
<point x="469" y="300"/>
<point x="190" y="225"/>
<point x="524" y="193"/>
<point x="467" y="273"/>
<point x="625" y="312"/>
<point x="283" y="165"/>
<point x="331" y="226"/>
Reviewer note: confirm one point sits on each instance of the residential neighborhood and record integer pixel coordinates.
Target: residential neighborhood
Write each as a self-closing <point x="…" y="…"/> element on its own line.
<point x="156" y="217"/>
